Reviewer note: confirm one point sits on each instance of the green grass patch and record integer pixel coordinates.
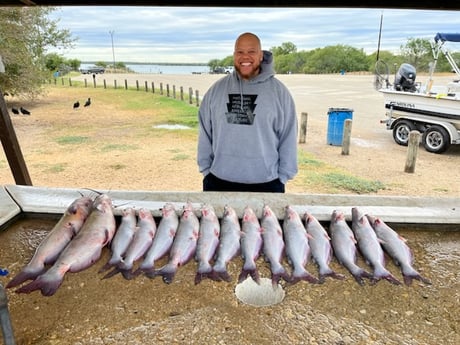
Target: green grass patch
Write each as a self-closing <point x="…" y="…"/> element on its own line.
<point x="117" y="166"/>
<point x="180" y="157"/>
<point x="55" y="168"/>
<point x="71" y="140"/>
<point x="118" y="147"/>
<point x="352" y="183"/>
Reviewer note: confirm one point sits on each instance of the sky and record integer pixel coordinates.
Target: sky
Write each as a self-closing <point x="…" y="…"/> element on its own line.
<point x="199" y="34"/>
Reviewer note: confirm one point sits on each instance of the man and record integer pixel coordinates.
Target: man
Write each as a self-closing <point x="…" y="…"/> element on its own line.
<point x="248" y="126"/>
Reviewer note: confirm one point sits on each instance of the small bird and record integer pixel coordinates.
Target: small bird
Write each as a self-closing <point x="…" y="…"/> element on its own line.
<point x="76" y="104"/>
<point x="88" y="102"/>
<point x="15" y="111"/>
<point x="24" y="111"/>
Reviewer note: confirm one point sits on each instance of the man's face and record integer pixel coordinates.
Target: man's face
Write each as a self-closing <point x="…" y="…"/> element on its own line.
<point x="247" y="57"/>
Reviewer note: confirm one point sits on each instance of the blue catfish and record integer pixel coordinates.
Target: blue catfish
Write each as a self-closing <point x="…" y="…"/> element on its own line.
<point x="370" y="247"/>
<point x="344" y="244"/>
<point x="396" y="247"/>
<point x="183" y="247"/>
<point x="82" y="252"/>
<point x="57" y="239"/>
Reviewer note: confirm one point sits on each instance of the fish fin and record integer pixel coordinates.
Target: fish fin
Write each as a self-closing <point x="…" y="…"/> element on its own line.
<point x="253" y="273"/>
<point x="276" y="277"/>
<point x="113" y="272"/>
<point x="306" y="276"/>
<point x="220" y="275"/>
<point x="47" y="286"/>
<point x="127" y="274"/>
<point x="409" y="277"/>
<point x="331" y="274"/>
<point x="22" y="276"/>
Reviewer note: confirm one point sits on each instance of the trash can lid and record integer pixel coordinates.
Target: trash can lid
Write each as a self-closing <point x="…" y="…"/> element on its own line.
<point x="340" y="109"/>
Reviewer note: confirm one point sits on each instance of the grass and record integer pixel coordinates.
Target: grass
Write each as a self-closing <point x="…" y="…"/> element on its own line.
<point x="118" y="147"/>
<point x="315" y="174"/>
<point x="71" y="140"/>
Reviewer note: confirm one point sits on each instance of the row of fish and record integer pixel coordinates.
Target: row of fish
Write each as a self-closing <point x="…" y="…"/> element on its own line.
<point x="76" y="242"/>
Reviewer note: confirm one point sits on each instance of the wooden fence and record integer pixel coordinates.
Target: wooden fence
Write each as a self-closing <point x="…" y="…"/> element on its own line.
<point x="146" y="87"/>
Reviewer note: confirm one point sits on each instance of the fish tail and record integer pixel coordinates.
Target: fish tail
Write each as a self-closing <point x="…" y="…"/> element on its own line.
<point x="24" y="275"/>
<point x="408" y="277"/>
<point x="252" y="272"/>
<point x="200" y="276"/>
<point x="113" y="272"/>
<point x="276" y="277"/>
<point x="382" y="273"/>
<point x="140" y="270"/>
<point x="359" y="274"/>
<point x="300" y="273"/>
<point x="167" y="272"/>
<point x="328" y="272"/>
<point x="105" y="267"/>
<point x="128" y="274"/>
<point x="220" y="275"/>
<point x="47" y="285"/>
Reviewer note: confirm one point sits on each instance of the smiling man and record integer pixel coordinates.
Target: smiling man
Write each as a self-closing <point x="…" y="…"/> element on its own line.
<point x="248" y="126"/>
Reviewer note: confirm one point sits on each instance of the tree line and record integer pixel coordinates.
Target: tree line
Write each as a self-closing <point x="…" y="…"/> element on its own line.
<point x="27" y="34"/>
<point x="338" y="58"/>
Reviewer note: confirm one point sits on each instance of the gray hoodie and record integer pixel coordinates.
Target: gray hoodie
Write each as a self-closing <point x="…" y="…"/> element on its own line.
<point x="248" y="129"/>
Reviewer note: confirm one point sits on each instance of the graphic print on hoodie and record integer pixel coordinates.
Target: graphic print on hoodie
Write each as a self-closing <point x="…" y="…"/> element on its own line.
<point x="241" y="109"/>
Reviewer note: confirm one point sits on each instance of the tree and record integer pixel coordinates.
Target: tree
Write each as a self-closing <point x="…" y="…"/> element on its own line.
<point x="26" y="33"/>
<point x="417" y="52"/>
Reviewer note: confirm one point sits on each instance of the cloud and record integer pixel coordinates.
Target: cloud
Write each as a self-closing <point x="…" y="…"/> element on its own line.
<point x="199" y="34"/>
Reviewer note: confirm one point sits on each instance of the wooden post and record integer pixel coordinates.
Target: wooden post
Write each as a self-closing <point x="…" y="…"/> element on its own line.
<point x="137" y="85"/>
<point x="303" y="127"/>
<point x="167" y="90"/>
<point x="126" y="84"/>
<point x="11" y="147"/>
<point x="115" y="83"/>
<point x="146" y="86"/>
<point x="197" y="95"/>
<point x="346" y="137"/>
<point x="190" y="95"/>
<point x="86" y="83"/>
<point x="153" y="87"/>
<point x="412" y="151"/>
<point x="174" y="91"/>
<point x="105" y="84"/>
<point x="161" y="89"/>
<point x="181" y="93"/>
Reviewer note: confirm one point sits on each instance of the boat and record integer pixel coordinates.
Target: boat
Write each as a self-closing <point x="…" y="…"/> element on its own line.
<point x="433" y="110"/>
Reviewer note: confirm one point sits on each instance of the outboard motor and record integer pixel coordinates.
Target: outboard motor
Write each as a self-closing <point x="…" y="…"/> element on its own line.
<point x="405" y="78"/>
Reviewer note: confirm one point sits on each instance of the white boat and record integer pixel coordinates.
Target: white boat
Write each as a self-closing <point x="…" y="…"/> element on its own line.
<point x="431" y="109"/>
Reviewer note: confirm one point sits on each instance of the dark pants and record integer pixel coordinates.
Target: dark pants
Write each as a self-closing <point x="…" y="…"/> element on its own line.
<point x="212" y="183"/>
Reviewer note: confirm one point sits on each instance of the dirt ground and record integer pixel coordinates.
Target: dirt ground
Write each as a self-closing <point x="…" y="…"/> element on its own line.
<point x="88" y="310"/>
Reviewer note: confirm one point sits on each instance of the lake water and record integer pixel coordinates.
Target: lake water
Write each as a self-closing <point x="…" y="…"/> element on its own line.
<point x="163" y="69"/>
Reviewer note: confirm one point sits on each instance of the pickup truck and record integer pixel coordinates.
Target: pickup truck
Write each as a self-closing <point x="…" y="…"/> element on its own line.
<point x="92" y="70"/>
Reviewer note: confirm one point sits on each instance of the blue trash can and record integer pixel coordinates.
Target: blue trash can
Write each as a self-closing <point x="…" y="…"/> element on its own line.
<point x="335" y="124"/>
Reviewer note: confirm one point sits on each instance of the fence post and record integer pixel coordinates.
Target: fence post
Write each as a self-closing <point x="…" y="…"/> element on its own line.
<point x="197" y="95"/>
<point x="190" y="95"/>
<point x="105" y="84"/>
<point x="167" y="90"/>
<point x="146" y="86"/>
<point x="126" y="84"/>
<point x="303" y="127"/>
<point x="86" y="83"/>
<point x="174" y="91"/>
<point x="412" y="150"/>
<point x="70" y="82"/>
<point x="115" y="83"/>
<point x="181" y="93"/>
<point x="161" y="89"/>
<point x="153" y="87"/>
<point x="346" y="137"/>
<point x="137" y="85"/>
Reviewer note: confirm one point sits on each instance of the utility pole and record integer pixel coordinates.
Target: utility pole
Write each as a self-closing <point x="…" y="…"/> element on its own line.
<point x="111" y="32"/>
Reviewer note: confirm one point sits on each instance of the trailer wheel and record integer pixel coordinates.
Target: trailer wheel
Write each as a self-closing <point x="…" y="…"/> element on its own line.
<point x="436" y="139"/>
<point x="401" y="132"/>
